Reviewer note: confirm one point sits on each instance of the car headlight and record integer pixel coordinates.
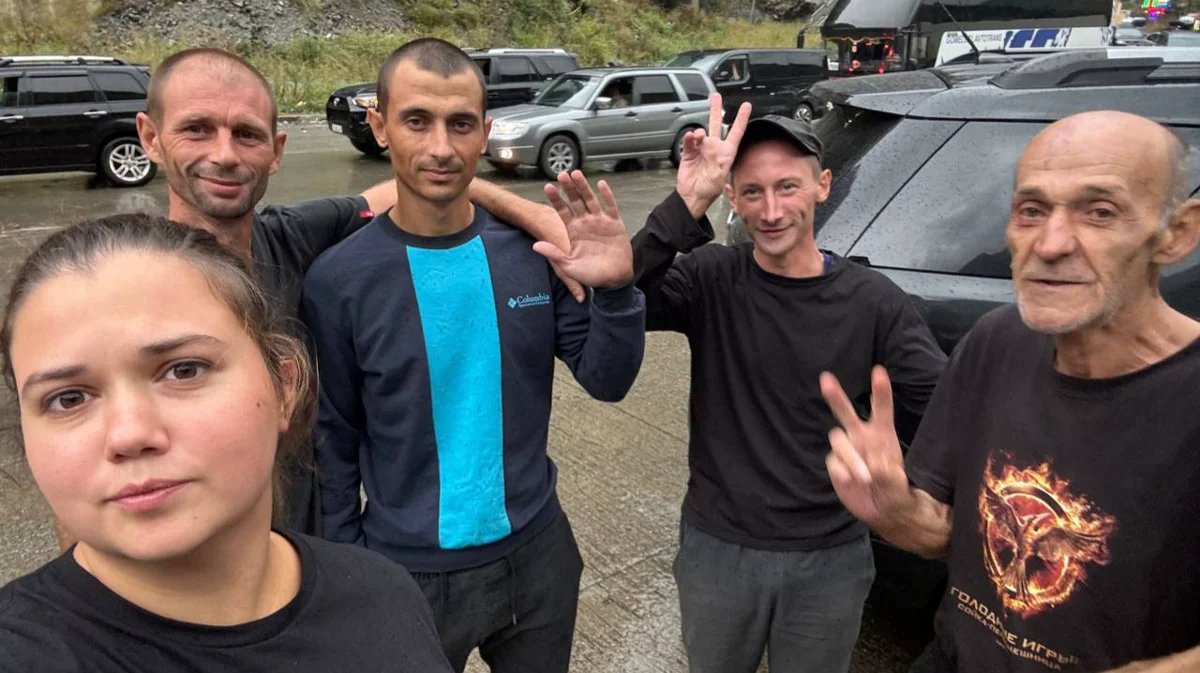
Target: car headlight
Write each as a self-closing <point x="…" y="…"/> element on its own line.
<point x="366" y="100"/>
<point x="503" y="129"/>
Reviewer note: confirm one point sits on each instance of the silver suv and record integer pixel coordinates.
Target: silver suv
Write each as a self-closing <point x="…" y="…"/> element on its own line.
<point x="601" y="114"/>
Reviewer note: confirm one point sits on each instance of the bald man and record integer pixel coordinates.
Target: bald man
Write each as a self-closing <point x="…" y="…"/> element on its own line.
<point x="1057" y="465"/>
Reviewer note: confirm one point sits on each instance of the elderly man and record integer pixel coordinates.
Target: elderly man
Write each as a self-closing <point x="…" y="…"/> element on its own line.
<point x="1057" y="464"/>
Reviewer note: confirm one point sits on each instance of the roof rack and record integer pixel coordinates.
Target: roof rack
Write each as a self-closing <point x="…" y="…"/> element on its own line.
<point x="1104" y="67"/>
<point x="516" y="50"/>
<point x="60" y="60"/>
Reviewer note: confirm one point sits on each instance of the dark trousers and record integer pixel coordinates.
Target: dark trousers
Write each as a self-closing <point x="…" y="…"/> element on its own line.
<point x="519" y="611"/>
<point x="803" y="607"/>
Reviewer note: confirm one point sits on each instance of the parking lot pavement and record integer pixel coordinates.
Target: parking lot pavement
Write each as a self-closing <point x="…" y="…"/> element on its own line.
<point x="622" y="467"/>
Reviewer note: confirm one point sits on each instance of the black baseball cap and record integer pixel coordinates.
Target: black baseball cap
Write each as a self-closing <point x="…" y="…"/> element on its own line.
<point x="776" y="127"/>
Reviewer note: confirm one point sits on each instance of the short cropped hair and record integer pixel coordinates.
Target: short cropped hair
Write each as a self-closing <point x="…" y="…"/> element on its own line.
<point x="217" y="57"/>
<point x="431" y="55"/>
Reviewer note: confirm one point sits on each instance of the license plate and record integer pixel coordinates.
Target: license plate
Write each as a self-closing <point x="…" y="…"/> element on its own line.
<point x="336" y="128"/>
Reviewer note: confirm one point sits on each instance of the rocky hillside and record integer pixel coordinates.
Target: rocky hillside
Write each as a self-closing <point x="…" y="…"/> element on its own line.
<point x="267" y="22"/>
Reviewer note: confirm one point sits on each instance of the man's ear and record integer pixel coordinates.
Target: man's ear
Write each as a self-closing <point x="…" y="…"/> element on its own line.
<point x="148" y="134"/>
<point x="377" y="123"/>
<point x="729" y="196"/>
<point x="487" y="133"/>
<point x="1181" y="235"/>
<point x="824" y="183"/>
<point x="280" y="141"/>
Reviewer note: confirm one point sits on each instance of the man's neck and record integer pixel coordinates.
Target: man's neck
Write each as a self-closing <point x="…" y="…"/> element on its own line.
<point x="234" y="232"/>
<point x="422" y="217"/>
<point x="1139" y="337"/>
<point x="803" y="261"/>
<point x="238" y="577"/>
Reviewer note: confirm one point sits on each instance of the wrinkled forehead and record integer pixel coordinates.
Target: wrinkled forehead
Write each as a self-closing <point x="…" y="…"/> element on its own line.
<point x="1071" y="160"/>
<point x="196" y="83"/>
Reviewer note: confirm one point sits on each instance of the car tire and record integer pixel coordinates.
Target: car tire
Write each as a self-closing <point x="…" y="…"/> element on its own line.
<point x="124" y="163"/>
<point x="559" y="153"/>
<point x="677" y="145"/>
<point x="803" y="112"/>
<point x="368" y="146"/>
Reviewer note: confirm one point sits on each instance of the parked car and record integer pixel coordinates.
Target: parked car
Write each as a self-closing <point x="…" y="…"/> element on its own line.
<point x="1179" y="37"/>
<point x="513" y="76"/>
<point x="601" y="114"/>
<point x="1131" y="37"/>
<point x="923" y="166"/>
<point x="774" y="81"/>
<point x="73" y="113"/>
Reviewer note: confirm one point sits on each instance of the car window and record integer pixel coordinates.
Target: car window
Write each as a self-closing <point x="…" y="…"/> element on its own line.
<point x="1183" y="38"/>
<point x="694" y="86"/>
<point x="732" y="69"/>
<point x="119" y="86"/>
<point x="652" y="89"/>
<point x="8" y="92"/>
<point x="560" y="64"/>
<point x="485" y="66"/>
<point x="571" y="91"/>
<point x="619" y="90"/>
<point x="61" y="90"/>
<point x="516" y="69"/>
<point x="951" y="215"/>
<point x="772" y="65"/>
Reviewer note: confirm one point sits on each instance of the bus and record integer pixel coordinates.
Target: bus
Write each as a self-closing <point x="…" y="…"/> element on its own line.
<point x="877" y="36"/>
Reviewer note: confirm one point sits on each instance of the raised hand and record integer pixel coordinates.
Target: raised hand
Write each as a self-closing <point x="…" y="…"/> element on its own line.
<point x="706" y="158"/>
<point x="865" y="465"/>
<point x="600" y="254"/>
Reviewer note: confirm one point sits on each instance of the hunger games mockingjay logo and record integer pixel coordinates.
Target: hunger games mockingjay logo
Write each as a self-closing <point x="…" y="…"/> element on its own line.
<point x="1038" y="537"/>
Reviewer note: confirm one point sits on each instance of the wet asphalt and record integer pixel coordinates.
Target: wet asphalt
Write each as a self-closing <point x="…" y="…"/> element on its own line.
<point x="622" y="467"/>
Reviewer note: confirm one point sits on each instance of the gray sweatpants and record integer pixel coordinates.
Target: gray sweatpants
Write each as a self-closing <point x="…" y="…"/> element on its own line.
<point x="803" y="607"/>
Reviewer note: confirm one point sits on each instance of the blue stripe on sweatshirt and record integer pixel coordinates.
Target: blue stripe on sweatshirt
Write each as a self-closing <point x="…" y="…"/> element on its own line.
<point x="462" y="345"/>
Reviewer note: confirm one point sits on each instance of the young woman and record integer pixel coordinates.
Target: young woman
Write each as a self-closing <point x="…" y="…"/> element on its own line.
<point x="156" y="399"/>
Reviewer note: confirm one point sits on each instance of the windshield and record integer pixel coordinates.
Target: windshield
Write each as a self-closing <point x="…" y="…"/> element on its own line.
<point x="685" y="59"/>
<point x="571" y="91"/>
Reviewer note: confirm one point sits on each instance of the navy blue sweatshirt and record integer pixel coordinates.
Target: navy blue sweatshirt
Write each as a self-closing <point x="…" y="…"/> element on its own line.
<point x="436" y="363"/>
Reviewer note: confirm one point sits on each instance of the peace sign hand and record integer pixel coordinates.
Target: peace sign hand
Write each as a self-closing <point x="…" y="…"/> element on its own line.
<point x="866" y="465"/>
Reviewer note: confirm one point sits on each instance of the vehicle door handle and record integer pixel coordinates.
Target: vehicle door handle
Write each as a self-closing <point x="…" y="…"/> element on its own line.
<point x="676" y="109"/>
<point x="95" y="113"/>
<point x="861" y="259"/>
<point x="631" y="113"/>
<point x="11" y="118"/>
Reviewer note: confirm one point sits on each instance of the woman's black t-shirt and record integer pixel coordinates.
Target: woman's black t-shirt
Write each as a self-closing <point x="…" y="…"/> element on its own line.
<point x="1076" y="505"/>
<point x="355" y="612"/>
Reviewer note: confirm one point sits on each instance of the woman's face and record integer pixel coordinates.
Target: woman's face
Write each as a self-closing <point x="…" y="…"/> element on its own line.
<point x="149" y="417"/>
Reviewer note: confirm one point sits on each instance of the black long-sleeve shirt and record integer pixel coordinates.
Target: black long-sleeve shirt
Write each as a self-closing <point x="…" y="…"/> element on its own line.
<point x="758" y="426"/>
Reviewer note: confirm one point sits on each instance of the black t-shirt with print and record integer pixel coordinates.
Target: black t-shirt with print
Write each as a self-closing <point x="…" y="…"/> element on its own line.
<point x="1076" y="505"/>
<point x="356" y="612"/>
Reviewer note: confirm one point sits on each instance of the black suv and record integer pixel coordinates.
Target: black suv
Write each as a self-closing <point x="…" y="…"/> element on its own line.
<point x="73" y="113"/>
<point x="513" y="76"/>
<point x="773" y="81"/>
<point x="923" y="165"/>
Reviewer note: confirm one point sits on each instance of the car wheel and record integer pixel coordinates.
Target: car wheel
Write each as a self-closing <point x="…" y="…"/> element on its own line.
<point x="559" y="154"/>
<point x="803" y="112"/>
<point x="124" y="163"/>
<point x="677" y="147"/>
<point x="368" y="146"/>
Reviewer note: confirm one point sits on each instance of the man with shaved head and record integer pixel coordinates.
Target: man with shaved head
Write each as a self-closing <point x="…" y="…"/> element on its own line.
<point x="211" y="123"/>
<point x="1057" y="464"/>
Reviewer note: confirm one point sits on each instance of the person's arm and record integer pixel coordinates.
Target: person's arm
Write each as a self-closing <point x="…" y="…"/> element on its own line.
<point x="340" y="417"/>
<point x="668" y="281"/>
<point x="380" y="196"/>
<point x="604" y="349"/>
<point x="1187" y="661"/>
<point x="866" y="467"/>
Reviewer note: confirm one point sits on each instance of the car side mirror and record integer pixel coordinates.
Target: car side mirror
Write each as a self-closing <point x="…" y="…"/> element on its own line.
<point x="603" y="103"/>
<point x="723" y="76"/>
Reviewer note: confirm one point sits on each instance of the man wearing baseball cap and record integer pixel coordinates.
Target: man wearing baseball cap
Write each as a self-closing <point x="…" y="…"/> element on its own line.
<point x="769" y="558"/>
